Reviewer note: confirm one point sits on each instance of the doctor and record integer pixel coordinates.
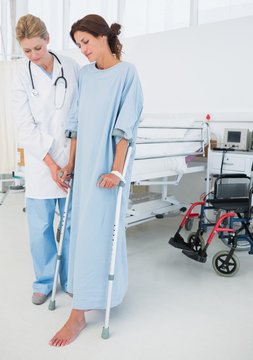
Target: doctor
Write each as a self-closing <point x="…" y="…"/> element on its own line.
<point x="44" y="87"/>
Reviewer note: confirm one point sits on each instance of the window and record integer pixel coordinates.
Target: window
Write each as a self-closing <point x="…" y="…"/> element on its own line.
<point x="221" y="10"/>
<point x="79" y="8"/>
<point x="52" y="19"/>
<point x="148" y="16"/>
<point x="138" y="17"/>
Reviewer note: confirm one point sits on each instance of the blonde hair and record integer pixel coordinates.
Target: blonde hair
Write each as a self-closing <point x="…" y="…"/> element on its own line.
<point x="30" y="26"/>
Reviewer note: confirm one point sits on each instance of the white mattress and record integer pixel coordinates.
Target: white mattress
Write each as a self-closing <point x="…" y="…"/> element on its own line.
<point x="155" y="168"/>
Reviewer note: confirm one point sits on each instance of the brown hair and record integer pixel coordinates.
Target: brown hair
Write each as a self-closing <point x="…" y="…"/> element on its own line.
<point x="30" y="26"/>
<point x="96" y="25"/>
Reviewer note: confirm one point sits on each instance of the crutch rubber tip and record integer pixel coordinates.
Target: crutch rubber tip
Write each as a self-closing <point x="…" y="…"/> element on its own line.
<point x="105" y="333"/>
<point x="51" y="305"/>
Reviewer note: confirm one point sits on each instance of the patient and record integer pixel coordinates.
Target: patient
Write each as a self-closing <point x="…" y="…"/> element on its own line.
<point x="106" y="114"/>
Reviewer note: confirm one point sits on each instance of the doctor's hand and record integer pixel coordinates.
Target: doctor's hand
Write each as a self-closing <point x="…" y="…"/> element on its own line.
<point x="65" y="173"/>
<point x="108" y="181"/>
<point x="55" y="169"/>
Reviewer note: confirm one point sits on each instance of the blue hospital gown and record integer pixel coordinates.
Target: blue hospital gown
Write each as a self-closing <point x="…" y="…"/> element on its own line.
<point x="108" y="101"/>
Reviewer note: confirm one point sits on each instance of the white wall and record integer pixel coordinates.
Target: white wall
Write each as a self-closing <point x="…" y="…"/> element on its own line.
<point x="208" y="68"/>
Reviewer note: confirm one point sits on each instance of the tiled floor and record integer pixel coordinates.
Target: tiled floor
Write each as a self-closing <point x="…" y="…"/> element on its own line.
<point x="175" y="308"/>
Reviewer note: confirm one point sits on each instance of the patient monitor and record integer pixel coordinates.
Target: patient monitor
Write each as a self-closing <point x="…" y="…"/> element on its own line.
<point x="237" y="139"/>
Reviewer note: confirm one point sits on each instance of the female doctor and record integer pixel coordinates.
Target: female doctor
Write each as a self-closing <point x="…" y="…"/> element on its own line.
<point x="44" y="87"/>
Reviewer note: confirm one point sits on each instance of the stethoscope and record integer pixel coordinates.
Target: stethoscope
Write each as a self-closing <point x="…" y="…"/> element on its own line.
<point x="61" y="77"/>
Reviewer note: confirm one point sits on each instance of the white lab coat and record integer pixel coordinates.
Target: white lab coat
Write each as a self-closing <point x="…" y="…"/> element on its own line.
<point x="40" y="126"/>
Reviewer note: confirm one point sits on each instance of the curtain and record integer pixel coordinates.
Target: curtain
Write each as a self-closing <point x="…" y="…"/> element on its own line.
<point x="7" y="128"/>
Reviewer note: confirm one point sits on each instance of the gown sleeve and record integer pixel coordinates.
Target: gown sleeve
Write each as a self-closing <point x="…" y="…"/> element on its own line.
<point x="130" y="108"/>
<point x="72" y="121"/>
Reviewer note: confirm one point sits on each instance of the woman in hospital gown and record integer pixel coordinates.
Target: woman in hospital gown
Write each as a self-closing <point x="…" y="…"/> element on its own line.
<point x="105" y="116"/>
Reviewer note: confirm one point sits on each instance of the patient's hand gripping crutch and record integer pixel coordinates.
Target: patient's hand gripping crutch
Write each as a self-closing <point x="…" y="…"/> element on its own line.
<point x="105" y="332"/>
<point x="51" y="305"/>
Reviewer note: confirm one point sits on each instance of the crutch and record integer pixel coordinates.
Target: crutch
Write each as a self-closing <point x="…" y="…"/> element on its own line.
<point x="51" y="305"/>
<point x="105" y="332"/>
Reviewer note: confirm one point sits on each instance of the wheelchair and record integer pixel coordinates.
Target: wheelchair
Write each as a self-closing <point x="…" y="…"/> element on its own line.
<point x="232" y="201"/>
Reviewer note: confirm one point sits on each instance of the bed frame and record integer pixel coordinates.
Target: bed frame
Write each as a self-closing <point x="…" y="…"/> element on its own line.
<point x="186" y="143"/>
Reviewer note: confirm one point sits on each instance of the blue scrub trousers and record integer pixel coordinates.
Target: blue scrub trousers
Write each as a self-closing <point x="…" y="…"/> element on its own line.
<point x="40" y="214"/>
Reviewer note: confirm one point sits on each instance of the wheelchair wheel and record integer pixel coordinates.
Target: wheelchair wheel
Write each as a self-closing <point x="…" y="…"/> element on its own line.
<point x="188" y="224"/>
<point x="223" y="269"/>
<point x="196" y="242"/>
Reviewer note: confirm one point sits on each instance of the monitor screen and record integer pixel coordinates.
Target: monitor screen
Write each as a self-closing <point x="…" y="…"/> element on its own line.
<point x="234" y="136"/>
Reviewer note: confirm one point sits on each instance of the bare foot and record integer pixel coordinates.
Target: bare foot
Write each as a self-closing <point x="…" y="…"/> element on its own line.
<point x="69" y="332"/>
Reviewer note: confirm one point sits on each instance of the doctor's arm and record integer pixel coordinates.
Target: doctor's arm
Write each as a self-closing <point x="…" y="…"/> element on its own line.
<point x="109" y="181"/>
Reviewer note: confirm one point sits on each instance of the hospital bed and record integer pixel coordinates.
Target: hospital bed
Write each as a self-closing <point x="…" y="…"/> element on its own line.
<point x="166" y="150"/>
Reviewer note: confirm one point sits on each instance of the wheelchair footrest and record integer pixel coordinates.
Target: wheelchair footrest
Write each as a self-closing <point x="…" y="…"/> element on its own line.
<point x="195" y="255"/>
<point x="178" y="242"/>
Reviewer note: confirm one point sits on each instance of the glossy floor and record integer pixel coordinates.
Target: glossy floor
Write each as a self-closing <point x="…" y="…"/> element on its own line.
<point x="175" y="308"/>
